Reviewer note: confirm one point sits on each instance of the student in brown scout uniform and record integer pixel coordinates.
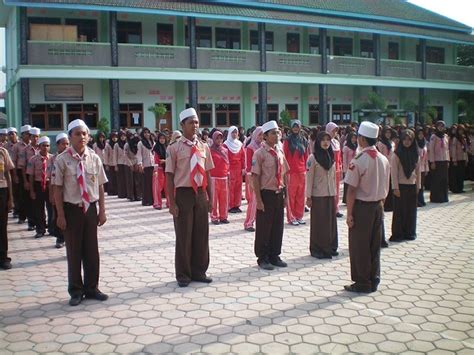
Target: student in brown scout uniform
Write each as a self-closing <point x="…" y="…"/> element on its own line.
<point x="111" y="164"/>
<point x="79" y="177"/>
<point x="10" y="147"/>
<point x="269" y="168"/>
<point x="3" y="137"/>
<point x="406" y="182"/>
<point x="18" y="159"/>
<point x="188" y="162"/>
<point x="320" y="197"/>
<point x="37" y="171"/>
<point x="6" y="204"/>
<point x="145" y="165"/>
<point x="62" y="143"/>
<point x="31" y="150"/>
<point x="368" y="180"/>
<point x="133" y="177"/>
<point x="121" y="164"/>
<point x="438" y="155"/>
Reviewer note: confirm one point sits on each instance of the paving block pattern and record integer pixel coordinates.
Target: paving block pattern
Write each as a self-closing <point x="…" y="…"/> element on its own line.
<point x="424" y="302"/>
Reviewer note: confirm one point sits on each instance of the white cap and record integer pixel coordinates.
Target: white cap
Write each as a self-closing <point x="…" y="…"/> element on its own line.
<point x="12" y="129"/>
<point x="25" y="128"/>
<point x="189" y="112"/>
<point x="267" y="126"/>
<point x="331" y="126"/>
<point x="60" y="136"/>
<point x="368" y="129"/>
<point x="35" y="131"/>
<point x="3" y="131"/>
<point x="77" y="123"/>
<point x="44" y="139"/>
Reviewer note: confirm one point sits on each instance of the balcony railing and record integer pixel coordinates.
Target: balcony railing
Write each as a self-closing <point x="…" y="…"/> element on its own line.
<point x="227" y="59"/>
<point x="176" y="57"/>
<point x="139" y="55"/>
<point x="293" y="62"/>
<point x="68" y="53"/>
<point x="401" y="69"/>
<point x="450" y="72"/>
<point x="351" y="66"/>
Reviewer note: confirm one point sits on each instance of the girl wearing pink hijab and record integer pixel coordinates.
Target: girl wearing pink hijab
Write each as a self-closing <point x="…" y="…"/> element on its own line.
<point x="237" y="168"/>
<point x="255" y="143"/>
<point x="219" y="178"/>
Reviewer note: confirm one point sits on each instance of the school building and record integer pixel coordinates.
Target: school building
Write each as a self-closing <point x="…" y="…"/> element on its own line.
<point x="237" y="62"/>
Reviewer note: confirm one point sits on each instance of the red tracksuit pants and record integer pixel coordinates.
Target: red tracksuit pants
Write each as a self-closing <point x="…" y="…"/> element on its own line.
<point x="252" y="203"/>
<point x="220" y="201"/>
<point x="235" y="188"/>
<point x="158" y="186"/>
<point x="296" y="196"/>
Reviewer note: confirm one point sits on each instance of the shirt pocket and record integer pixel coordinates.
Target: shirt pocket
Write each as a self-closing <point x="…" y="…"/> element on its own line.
<point x="92" y="173"/>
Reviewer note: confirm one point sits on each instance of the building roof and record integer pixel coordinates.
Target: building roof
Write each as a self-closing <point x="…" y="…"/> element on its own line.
<point x="390" y="17"/>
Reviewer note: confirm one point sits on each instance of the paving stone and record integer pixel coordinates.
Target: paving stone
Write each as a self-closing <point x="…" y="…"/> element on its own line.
<point x="423" y="304"/>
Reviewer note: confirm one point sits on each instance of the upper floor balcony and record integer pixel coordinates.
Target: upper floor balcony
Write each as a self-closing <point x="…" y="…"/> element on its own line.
<point x="51" y="53"/>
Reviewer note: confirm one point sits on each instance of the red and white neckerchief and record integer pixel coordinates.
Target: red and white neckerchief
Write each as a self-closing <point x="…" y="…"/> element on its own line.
<point x="81" y="179"/>
<point x="198" y="172"/>
<point x="44" y="165"/>
<point x="279" y="169"/>
<point x="371" y="151"/>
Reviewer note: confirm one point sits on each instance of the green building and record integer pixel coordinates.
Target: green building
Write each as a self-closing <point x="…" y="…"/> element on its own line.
<point x="237" y="62"/>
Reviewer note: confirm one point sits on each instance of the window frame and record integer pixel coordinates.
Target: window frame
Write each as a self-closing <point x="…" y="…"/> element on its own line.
<point x="231" y="109"/>
<point x="159" y="28"/>
<point x="295" y="41"/>
<point x="272" y="112"/>
<point x="370" y="49"/>
<point x="81" y="22"/>
<point x="269" y="41"/>
<point x="341" y="46"/>
<point x="122" y="29"/>
<point x="45" y="113"/>
<point x="343" y="110"/>
<point x="82" y="113"/>
<point x="227" y="34"/>
<point x="124" y="108"/>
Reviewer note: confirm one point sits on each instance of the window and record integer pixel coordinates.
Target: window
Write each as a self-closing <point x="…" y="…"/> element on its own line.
<point x="86" y="29"/>
<point x="205" y="115"/>
<point x="314" y="44"/>
<point x="272" y="112"/>
<point x="341" y="113"/>
<point x="343" y="46"/>
<point x="131" y="115"/>
<point x="268" y="40"/>
<point x="393" y="50"/>
<point x="366" y="48"/>
<point x="293" y="110"/>
<point x="164" y="34"/>
<point x="227" y="38"/>
<point x="86" y="112"/>
<point x="293" y="42"/>
<point x="313" y="114"/>
<point x="440" y="111"/>
<point x="129" y="32"/>
<point x="41" y="21"/>
<point x="433" y="54"/>
<point x="203" y="36"/>
<point x="47" y="117"/>
<point x="227" y="115"/>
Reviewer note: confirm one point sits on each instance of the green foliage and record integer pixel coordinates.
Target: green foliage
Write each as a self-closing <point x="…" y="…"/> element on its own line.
<point x="466" y="107"/>
<point x="159" y="110"/>
<point x="465" y="55"/>
<point x="376" y="104"/>
<point x="285" y="118"/>
<point x="104" y="126"/>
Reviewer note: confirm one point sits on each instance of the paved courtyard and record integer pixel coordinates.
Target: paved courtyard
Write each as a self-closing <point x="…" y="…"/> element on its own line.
<point x="425" y="302"/>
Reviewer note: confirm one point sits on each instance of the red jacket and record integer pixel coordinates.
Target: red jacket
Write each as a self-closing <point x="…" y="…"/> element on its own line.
<point x="221" y="167"/>
<point x="296" y="161"/>
<point x="237" y="160"/>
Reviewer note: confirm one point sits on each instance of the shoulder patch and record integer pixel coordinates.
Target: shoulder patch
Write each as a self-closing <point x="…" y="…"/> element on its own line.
<point x="308" y="164"/>
<point x="254" y="162"/>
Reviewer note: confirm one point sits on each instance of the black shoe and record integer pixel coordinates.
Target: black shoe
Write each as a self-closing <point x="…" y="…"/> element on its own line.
<point x="75" y="300"/>
<point x="224" y="221"/>
<point x="334" y="253"/>
<point x="265" y="265"/>
<point x="205" y="279"/>
<point x="59" y="245"/>
<point x="31" y="228"/>
<point x="215" y="222"/>
<point x="395" y="239"/>
<point x="39" y="235"/>
<point x="183" y="283"/>
<point x="233" y="210"/>
<point x="21" y="221"/>
<point x="339" y="215"/>
<point x="412" y="237"/>
<point x="6" y="265"/>
<point x="384" y="244"/>
<point x="375" y="284"/>
<point x="278" y="262"/>
<point x="238" y="210"/>
<point x="306" y="209"/>
<point x="96" y="295"/>
<point x="300" y="221"/>
<point x="318" y="255"/>
<point x="357" y="288"/>
<point x="250" y="229"/>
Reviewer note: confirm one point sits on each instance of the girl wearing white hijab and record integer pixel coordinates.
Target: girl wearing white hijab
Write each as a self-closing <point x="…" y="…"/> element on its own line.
<point x="237" y="168"/>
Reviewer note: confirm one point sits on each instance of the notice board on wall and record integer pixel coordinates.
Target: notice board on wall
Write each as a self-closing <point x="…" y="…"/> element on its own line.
<point x="63" y="92"/>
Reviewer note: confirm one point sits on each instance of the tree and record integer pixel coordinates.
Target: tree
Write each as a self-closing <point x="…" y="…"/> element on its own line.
<point x="374" y="107"/>
<point x="466" y="107"/>
<point x="465" y="55"/>
<point x="103" y="126"/>
<point x="285" y="118"/>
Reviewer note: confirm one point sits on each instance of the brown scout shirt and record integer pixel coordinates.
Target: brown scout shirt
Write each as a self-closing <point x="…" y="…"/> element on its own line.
<point x="369" y="173"/>
<point x="19" y="155"/>
<point x="65" y="174"/>
<point x="178" y="161"/>
<point x="35" y="167"/>
<point x="264" y="164"/>
<point x="319" y="181"/>
<point x="6" y="165"/>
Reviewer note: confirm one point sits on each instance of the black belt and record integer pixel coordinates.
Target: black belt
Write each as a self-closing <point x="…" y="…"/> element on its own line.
<point x="78" y="205"/>
<point x="368" y="202"/>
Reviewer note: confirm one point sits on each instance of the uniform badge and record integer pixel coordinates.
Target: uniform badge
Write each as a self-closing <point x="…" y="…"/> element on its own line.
<point x="308" y="164"/>
<point x="254" y="162"/>
<point x="167" y="154"/>
<point x="93" y="178"/>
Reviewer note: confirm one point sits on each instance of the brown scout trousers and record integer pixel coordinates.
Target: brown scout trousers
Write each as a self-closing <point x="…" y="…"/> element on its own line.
<point x="364" y="243"/>
<point x="192" y="234"/>
<point x="323" y="228"/>
<point x="269" y="226"/>
<point x="81" y="248"/>
<point x="3" y="225"/>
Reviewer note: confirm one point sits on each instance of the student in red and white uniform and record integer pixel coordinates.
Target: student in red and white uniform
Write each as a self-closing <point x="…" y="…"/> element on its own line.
<point x="219" y="179"/>
<point x="237" y="168"/>
<point x="254" y="144"/>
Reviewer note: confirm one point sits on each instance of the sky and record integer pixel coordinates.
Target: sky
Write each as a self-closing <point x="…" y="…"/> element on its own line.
<point x="459" y="10"/>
